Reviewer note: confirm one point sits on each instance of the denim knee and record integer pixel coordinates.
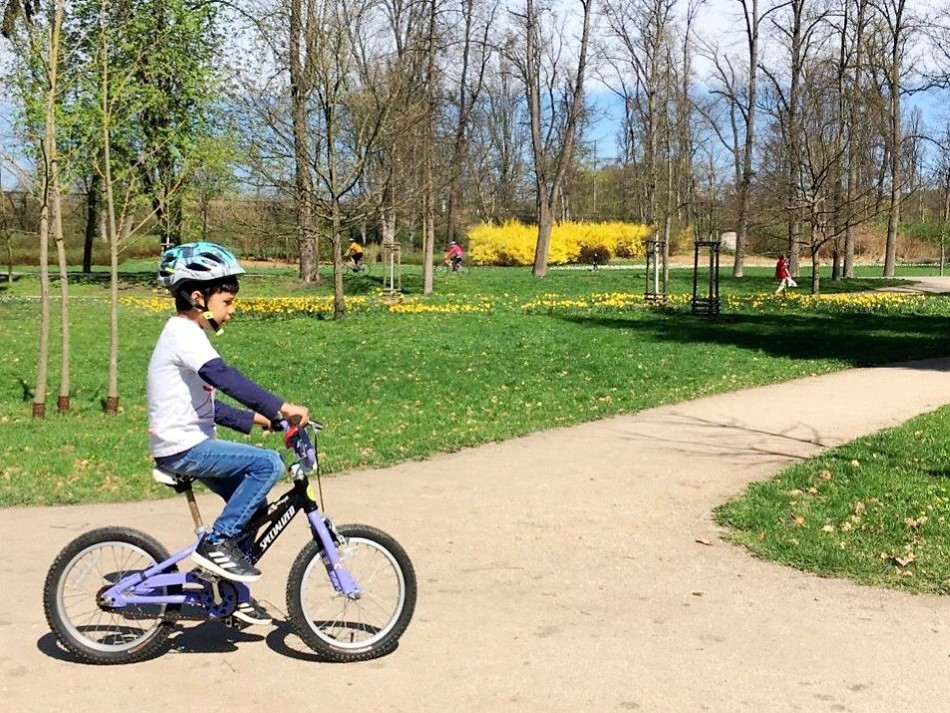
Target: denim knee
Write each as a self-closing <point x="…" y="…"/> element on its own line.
<point x="277" y="465"/>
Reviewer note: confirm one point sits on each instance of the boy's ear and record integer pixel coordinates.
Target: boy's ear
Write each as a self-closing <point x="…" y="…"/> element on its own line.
<point x="197" y="297"/>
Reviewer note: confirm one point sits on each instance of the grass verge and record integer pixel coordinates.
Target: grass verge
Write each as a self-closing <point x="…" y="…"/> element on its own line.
<point x="875" y="510"/>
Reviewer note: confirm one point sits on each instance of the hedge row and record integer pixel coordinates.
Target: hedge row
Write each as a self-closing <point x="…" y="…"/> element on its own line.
<point x="513" y="243"/>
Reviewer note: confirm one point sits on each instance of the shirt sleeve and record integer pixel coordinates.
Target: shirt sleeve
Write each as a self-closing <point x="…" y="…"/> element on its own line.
<point x="234" y="418"/>
<point x="240" y="388"/>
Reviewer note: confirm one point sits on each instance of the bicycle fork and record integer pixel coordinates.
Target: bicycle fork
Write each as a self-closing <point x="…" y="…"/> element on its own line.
<point x="340" y="577"/>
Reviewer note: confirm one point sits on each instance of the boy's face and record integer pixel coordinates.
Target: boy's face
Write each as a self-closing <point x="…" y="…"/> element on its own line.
<point x="221" y="306"/>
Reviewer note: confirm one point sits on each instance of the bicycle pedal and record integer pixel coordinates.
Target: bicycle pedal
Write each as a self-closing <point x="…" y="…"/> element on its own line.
<point x="205" y="574"/>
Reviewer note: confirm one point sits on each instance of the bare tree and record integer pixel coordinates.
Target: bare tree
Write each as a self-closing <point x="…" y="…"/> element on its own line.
<point x="474" y="53"/>
<point x="752" y="19"/>
<point x="347" y="74"/>
<point x="896" y="26"/>
<point x="300" y="50"/>
<point x="498" y="133"/>
<point x="798" y="27"/>
<point x="41" y="48"/>
<point x="555" y="102"/>
<point x="851" y="67"/>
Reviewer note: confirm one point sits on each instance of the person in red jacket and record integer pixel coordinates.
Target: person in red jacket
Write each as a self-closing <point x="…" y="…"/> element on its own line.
<point x="782" y="274"/>
<point x="454" y="255"/>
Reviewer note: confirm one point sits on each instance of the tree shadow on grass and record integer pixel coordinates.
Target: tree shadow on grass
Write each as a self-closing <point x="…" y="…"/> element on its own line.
<point x="860" y="340"/>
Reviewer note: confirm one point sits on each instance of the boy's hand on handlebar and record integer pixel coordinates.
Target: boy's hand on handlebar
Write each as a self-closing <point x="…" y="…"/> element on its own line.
<point x="265" y="423"/>
<point x="289" y="411"/>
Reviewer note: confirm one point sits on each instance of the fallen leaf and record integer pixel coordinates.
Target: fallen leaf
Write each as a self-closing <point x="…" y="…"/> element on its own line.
<point x="704" y="542"/>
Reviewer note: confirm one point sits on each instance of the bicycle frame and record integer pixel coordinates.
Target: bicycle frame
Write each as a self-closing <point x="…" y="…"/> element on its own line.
<point x="138" y="588"/>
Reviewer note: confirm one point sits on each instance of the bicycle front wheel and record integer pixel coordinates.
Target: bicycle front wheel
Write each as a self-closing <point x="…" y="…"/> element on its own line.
<point x="342" y="629"/>
<point x="85" y="568"/>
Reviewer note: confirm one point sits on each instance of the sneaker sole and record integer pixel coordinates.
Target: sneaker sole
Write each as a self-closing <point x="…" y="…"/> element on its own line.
<point x="221" y="572"/>
<point x="249" y="619"/>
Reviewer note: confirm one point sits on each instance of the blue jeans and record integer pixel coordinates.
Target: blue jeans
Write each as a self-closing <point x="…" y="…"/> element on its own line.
<point x="239" y="473"/>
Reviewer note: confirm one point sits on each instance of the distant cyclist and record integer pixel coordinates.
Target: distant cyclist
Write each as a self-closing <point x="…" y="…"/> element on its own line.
<point x="354" y="253"/>
<point x="454" y="255"/>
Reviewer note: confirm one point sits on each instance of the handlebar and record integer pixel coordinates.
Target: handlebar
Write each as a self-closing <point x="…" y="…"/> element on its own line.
<point x="297" y="438"/>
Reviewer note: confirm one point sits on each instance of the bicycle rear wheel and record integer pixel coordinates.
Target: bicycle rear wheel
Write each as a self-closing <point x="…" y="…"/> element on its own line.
<point x="342" y="629"/>
<point x="441" y="270"/>
<point x="85" y="568"/>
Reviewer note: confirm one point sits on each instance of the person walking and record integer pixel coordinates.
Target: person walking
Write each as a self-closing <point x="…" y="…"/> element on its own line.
<point x="782" y="274"/>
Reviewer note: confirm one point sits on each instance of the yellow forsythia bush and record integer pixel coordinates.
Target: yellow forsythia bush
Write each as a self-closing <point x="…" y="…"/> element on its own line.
<point x="513" y="242"/>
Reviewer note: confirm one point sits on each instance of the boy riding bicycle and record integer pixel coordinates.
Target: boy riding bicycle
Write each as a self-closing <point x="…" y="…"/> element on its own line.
<point x="183" y="374"/>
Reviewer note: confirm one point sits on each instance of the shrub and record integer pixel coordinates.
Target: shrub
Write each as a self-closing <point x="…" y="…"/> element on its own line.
<point x="513" y="243"/>
<point x="594" y="254"/>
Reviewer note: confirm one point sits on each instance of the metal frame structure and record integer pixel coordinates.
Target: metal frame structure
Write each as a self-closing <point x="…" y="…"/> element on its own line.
<point x="656" y="286"/>
<point x="707" y="304"/>
<point x="392" y="268"/>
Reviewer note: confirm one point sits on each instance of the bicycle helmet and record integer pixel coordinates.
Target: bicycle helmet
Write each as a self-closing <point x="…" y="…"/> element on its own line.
<point x="196" y="262"/>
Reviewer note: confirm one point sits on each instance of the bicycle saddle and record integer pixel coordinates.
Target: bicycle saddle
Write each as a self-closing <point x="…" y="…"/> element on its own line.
<point x="180" y="483"/>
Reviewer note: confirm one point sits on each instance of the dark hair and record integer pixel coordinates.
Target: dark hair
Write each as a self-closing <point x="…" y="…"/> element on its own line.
<point x="212" y="287"/>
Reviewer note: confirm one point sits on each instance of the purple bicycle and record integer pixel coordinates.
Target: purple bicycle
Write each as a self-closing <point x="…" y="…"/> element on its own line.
<point x="114" y="595"/>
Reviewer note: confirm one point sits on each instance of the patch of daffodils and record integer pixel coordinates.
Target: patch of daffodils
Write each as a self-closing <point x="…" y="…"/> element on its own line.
<point x="550" y="303"/>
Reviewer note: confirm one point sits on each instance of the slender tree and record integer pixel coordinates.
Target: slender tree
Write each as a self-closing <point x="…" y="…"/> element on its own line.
<point x="39" y="47"/>
<point x="555" y="103"/>
<point x="896" y="26"/>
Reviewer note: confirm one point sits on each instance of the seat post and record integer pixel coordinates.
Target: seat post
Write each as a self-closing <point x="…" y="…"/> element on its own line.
<point x="193" y="507"/>
<point x="181" y="484"/>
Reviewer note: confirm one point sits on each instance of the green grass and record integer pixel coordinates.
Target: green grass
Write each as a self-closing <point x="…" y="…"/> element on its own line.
<point x="875" y="510"/>
<point x="392" y="387"/>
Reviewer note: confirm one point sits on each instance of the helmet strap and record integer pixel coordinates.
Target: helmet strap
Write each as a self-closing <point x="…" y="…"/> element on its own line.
<point x="205" y="312"/>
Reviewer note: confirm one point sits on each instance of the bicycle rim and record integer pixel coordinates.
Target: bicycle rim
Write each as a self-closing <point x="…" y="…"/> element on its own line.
<point x="355" y="625"/>
<point x="88" y="573"/>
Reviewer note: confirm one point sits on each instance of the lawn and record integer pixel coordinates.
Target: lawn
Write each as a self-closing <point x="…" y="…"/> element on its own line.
<point x="491" y="356"/>
<point x="875" y="510"/>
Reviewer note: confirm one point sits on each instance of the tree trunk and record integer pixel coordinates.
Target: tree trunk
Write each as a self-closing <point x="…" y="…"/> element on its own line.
<point x="306" y="243"/>
<point x="42" y="366"/>
<point x="62" y="403"/>
<point x="794" y="136"/>
<point x="428" y="188"/>
<point x="545" y="226"/>
<point x="894" y="195"/>
<point x="896" y="40"/>
<point x="339" y="305"/>
<point x="853" y="118"/>
<point x="92" y="222"/>
<point x="49" y="187"/>
<point x="742" y="229"/>
<point x="109" y="224"/>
